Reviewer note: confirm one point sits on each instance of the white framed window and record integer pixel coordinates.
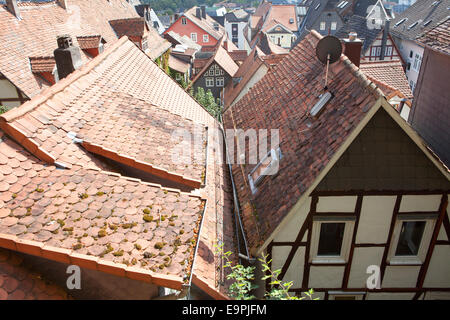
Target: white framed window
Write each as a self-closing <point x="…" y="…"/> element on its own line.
<point x="205" y="38"/>
<point x="417" y="62"/>
<point x="269" y="165"/>
<point x="144" y="44"/>
<point x="194" y="36"/>
<point x="209" y="82"/>
<point x="183" y="21"/>
<point x="411" y="238"/>
<point x="333" y="25"/>
<point x="342" y="295"/>
<point x="412" y="84"/>
<point x="331" y="239"/>
<point x="217" y="72"/>
<point x="220" y="82"/>
<point x="378" y="51"/>
<point x="388" y="51"/>
<point x="322" y="25"/>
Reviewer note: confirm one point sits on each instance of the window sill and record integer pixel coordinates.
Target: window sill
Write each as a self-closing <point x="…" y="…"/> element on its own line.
<point x="402" y="261"/>
<point x="328" y="261"/>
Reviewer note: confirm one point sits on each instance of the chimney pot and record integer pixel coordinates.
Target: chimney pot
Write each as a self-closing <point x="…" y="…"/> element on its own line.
<point x="67" y="56"/>
<point x="13" y="8"/>
<point x="203" y="7"/>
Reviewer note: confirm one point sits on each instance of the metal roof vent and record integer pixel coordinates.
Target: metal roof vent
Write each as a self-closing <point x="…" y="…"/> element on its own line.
<point x="318" y="107"/>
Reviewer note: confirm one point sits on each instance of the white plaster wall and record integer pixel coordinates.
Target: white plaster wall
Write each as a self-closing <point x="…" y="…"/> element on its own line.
<point x="405" y="112"/>
<point x="375" y="219"/>
<point x="279" y="255"/>
<point x="285" y="39"/>
<point x="442" y="234"/>
<point x="7" y="90"/>
<point x="390" y="295"/>
<point x="293" y="226"/>
<point x="405" y="47"/>
<point x="362" y="258"/>
<point x="241" y="26"/>
<point x="438" y="275"/>
<point x="400" y="277"/>
<point x="420" y="203"/>
<point x="336" y="204"/>
<point x="261" y="72"/>
<point x="326" y="277"/>
<point x="437" y="295"/>
<point x="295" y="270"/>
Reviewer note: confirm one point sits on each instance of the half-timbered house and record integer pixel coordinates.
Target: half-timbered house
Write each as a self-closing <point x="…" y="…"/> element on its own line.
<point x="351" y="202"/>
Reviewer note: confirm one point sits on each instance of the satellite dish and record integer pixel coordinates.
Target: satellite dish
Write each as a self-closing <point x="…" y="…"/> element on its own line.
<point x="329" y="49"/>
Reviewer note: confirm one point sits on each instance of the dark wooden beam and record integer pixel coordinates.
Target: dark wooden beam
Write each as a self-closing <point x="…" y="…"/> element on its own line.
<point x="437" y="226"/>
<point x="391" y="232"/>
<point x="376" y="192"/>
<point x="348" y="267"/>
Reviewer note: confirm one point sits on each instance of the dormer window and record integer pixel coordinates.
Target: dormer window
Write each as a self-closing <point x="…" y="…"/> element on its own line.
<point x="400" y="22"/>
<point x="44" y="67"/>
<point x="268" y="166"/>
<point x="91" y="45"/>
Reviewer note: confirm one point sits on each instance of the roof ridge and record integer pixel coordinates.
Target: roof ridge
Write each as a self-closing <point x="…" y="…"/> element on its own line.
<point x="61" y="85"/>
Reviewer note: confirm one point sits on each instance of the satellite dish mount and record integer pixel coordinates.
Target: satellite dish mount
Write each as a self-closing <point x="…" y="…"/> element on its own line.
<point x="328" y="51"/>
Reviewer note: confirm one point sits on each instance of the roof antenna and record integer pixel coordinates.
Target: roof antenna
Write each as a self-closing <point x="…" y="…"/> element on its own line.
<point x="328" y="51"/>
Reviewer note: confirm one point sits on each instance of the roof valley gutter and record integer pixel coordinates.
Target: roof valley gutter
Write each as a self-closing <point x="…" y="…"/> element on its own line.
<point x="236" y="207"/>
<point x="186" y="288"/>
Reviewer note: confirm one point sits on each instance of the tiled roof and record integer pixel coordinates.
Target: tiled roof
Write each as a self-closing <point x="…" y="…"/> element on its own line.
<point x="388" y="73"/>
<point x="438" y="38"/>
<point x="97" y="214"/>
<point x="130" y="27"/>
<point x="283" y="15"/>
<point x="206" y="24"/>
<point x="359" y="25"/>
<point x="238" y="55"/>
<point x="178" y="64"/>
<point x="157" y="45"/>
<point x="108" y="109"/>
<point x="281" y="100"/>
<point x="266" y="45"/>
<point x="35" y="35"/>
<point x="42" y="64"/>
<point x="223" y="59"/>
<point x="419" y="17"/>
<point x="18" y="281"/>
<point x="245" y="72"/>
<point x="89" y="42"/>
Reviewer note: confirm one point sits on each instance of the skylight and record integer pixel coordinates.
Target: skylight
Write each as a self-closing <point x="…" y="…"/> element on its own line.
<point x="401" y="21"/>
<point x="413" y="25"/>
<point x="342" y="4"/>
<point x="324" y="98"/>
<point x="435" y="3"/>
<point x="427" y="23"/>
<point x="317" y="7"/>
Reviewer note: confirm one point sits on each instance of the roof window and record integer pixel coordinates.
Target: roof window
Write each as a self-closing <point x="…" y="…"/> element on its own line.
<point x="323" y="100"/>
<point x="427" y="23"/>
<point x="317" y="7"/>
<point x="413" y="25"/>
<point x="268" y="166"/>
<point x="400" y="22"/>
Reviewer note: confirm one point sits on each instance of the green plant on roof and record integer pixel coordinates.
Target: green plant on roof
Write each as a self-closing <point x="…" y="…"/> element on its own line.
<point x="134" y="261"/>
<point x="68" y="229"/>
<point x="163" y="217"/>
<point x="181" y="231"/>
<point x="137" y="246"/>
<point x="129" y="225"/>
<point x="148" y="218"/>
<point x="102" y="233"/>
<point x="146" y="211"/>
<point x="159" y="245"/>
<point x="3" y="109"/>
<point x="77" y="246"/>
<point x="100" y="193"/>
<point x="40" y="190"/>
<point x="118" y="253"/>
<point x="61" y="222"/>
<point x="83" y="195"/>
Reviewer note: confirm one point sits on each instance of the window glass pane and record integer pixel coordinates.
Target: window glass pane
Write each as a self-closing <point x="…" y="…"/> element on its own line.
<point x="330" y="242"/>
<point x="344" y="298"/>
<point x="410" y="238"/>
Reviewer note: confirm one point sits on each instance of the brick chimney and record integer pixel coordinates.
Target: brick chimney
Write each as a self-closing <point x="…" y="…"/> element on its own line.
<point x="62" y="3"/>
<point x="203" y="7"/>
<point x="67" y="56"/>
<point x="353" y="47"/>
<point x="13" y="8"/>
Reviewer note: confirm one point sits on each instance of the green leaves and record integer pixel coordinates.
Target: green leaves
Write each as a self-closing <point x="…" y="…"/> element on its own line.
<point x="244" y="276"/>
<point x="208" y="102"/>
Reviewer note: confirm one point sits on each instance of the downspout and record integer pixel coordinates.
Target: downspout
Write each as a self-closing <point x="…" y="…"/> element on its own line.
<point x="237" y="213"/>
